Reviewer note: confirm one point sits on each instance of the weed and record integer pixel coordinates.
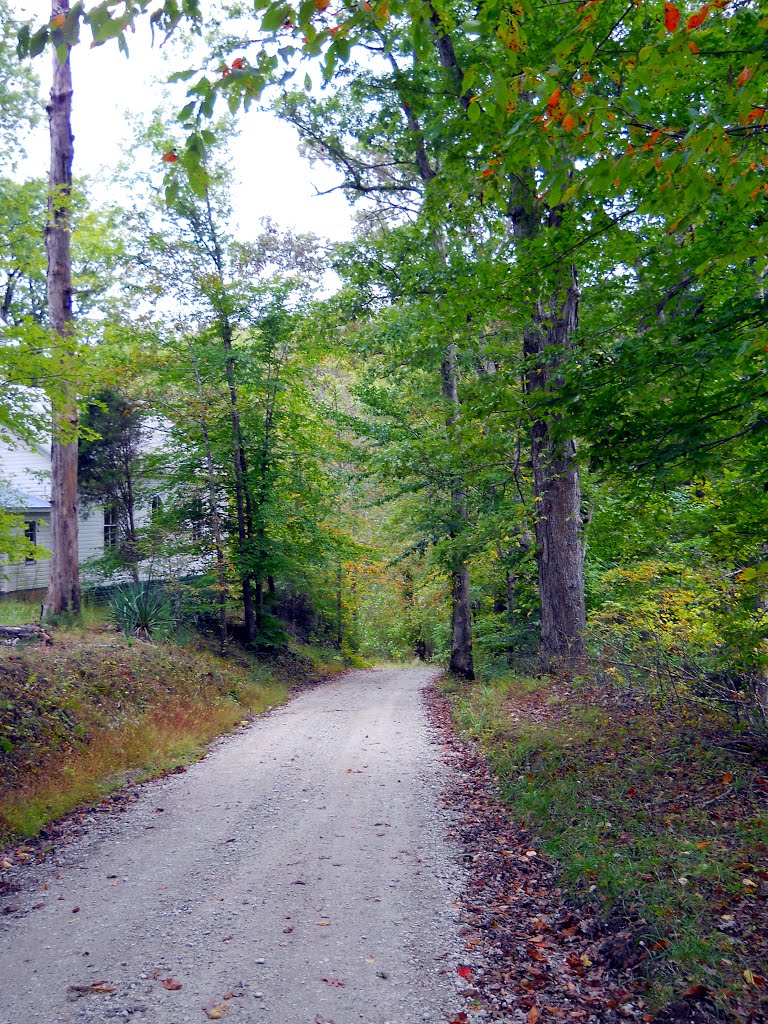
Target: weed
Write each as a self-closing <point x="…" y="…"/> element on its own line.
<point x="650" y="818"/>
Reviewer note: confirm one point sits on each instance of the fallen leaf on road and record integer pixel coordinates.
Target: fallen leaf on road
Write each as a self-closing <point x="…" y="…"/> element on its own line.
<point x="464" y="972"/>
<point x="171" y="984"/>
<point x="533" y="1015"/>
<point x="95" y="988"/>
<point x="335" y="982"/>
<point x="216" y="1012"/>
<point x="323" y="923"/>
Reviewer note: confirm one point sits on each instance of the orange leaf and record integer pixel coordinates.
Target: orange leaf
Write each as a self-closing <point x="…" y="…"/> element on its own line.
<point x="755" y="115"/>
<point x="171" y="984"/>
<point x="569" y="122"/>
<point x="170" y="157"/>
<point x="554" y="99"/>
<point x="693" y="47"/>
<point x="698" y="18"/>
<point x="649" y="144"/>
<point x="727" y="779"/>
<point x="743" y="78"/>
<point x="671" y="16"/>
<point x="533" y="1015"/>
<point x="487" y="172"/>
<point x="238" y="63"/>
<point x="58" y="20"/>
<point x="322" y="5"/>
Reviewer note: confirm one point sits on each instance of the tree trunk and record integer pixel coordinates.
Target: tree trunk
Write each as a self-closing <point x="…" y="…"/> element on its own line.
<point x="210" y="468"/>
<point x="339" y="606"/>
<point x="64" y="587"/>
<point x="558" y="525"/>
<point x="462" y="662"/>
<point x="243" y="505"/>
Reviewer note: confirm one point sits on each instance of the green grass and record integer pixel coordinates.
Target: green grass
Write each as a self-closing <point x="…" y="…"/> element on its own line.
<point x="80" y="719"/>
<point x="649" y="818"/>
<point x="18" y="613"/>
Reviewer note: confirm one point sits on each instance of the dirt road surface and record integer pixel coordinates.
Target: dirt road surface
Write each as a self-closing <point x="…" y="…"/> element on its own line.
<point x="302" y="873"/>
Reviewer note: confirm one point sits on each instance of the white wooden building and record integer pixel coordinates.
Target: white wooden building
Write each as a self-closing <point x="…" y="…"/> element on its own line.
<point x="25" y="490"/>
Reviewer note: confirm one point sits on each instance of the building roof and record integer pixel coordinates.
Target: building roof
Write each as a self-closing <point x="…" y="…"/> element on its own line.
<point x="20" y="501"/>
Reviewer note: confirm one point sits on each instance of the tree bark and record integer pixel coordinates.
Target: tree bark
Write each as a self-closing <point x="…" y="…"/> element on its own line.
<point x="64" y="587"/>
<point x="221" y="566"/>
<point x="243" y="504"/>
<point x="557" y="522"/>
<point x="462" y="661"/>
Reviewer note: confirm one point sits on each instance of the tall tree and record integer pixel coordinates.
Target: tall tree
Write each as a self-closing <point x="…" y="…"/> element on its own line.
<point x="64" y="587"/>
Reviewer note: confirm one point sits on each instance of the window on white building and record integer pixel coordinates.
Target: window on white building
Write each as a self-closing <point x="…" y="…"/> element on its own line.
<point x="110" y="528"/>
<point x="30" y="532"/>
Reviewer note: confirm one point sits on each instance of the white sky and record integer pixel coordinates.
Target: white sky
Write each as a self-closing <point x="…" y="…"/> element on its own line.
<point x="271" y="178"/>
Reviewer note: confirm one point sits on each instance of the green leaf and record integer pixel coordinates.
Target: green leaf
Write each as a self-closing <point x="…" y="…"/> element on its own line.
<point x="275" y="17"/>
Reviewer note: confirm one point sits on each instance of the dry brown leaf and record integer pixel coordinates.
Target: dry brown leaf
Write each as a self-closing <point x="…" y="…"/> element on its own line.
<point x="171" y="984"/>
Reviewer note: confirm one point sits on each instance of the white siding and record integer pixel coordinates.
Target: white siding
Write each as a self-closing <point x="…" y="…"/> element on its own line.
<point x="90" y="536"/>
<point x="29" y="575"/>
<point x="28" y="470"/>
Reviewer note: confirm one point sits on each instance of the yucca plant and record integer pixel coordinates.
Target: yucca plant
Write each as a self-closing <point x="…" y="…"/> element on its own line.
<point x="142" y="610"/>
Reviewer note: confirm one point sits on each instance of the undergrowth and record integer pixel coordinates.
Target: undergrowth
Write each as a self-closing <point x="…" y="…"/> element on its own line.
<point x="80" y="719"/>
<point x="652" y="818"/>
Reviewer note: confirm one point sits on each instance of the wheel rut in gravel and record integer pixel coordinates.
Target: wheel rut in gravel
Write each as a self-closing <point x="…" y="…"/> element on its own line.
<point x="302" y="873"/>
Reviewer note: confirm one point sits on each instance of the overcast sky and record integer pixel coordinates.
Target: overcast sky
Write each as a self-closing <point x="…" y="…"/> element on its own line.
<point x="272" y="179"/>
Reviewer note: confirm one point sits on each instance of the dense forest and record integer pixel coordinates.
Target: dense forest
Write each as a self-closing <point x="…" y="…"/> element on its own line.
<point x="520" y="418"/>
<point x="514" y="427"/>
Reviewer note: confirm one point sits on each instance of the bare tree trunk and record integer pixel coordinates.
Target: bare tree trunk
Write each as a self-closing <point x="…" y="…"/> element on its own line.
<point x="558" y="525"/>
<point x="64" y="587"/>
<point x="339" y="606"/>
<point x="462" y="662"/>
<point x="221" y="568"/>
<point x="243" y="504"/>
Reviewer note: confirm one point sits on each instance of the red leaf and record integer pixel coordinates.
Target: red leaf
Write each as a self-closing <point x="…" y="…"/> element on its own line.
<point x="170" y="157"/>
<point x="238" y="63"/>
<point x="693" y="47"/>
<point x="743" y="78"/>
<point x="671" y="16"/>
<point x="171" y="984"/>
<point x="464" y="972"/>
<point x="698" y="18"/>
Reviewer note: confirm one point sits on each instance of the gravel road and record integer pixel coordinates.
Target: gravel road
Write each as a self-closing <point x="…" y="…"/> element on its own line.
<point x="301" y="873"/>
